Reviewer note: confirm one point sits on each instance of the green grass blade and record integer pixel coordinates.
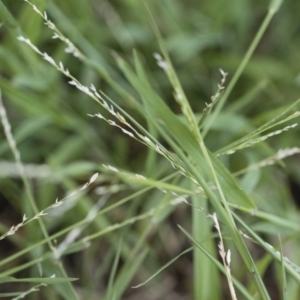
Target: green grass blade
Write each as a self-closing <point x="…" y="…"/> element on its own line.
<point x="272" y="10"/>
<point x="111" y="291"/>
<point x="290" y="268"/>
<point x="126" y="276"/>
<point x="205" y="287"/>
<point x="151" y="157"/>
<point x="158" y="109"/>
<point x="7" y="17"/>
<point x="249" y="98"/>
<point x="163" y="268"/>
<point x="283" y="274"/>
<point x="45" y="280"/>
<point x="133" y="179"/>
<point x="178" y="90"/>
<point x="249" y="138"/>
<point x="77" y="224"/>
<point x="236" y="283"/>
<point x="179" y="131"/>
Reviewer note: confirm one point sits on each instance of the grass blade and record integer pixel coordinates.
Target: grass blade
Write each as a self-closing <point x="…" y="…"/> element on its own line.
<point x="163" y="267"/>
<point x="159" y="110"/>
<point x="236" y="283"/>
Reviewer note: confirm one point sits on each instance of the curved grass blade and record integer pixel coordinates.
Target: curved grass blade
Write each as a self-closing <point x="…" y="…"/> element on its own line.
<point x="292" y="269"/>
<point x="163" y="267"/>
<point x="236" y="283"/>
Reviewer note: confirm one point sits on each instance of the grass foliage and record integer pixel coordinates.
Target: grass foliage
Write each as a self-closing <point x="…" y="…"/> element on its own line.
<point x="149" y="150"/>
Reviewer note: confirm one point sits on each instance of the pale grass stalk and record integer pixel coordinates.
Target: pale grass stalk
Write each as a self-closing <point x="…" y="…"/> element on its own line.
<point x="73" y="234"/>
<point x="17" y="156"/>
<point x="10" y="138"/>
<point x="174" y="160"/>
<point x="273" y="8"/>
<point x="42" y="213"/>
<point x="32" y="290"/>
<point x="16" y="153"/>
<point x="206" y="155"/>
<point x="226" y="257"/>
<point x="254" y="141"/>
<point x="164" y="187"/>
<point x="71" y="48"/>
<point x="207" y="110"/>
<point x="164" y="61"/>
<point x="92" y="92"/>
<point x="10" y="169"/>
<point x="114" y="227"/>
<point x="271" y="160"/>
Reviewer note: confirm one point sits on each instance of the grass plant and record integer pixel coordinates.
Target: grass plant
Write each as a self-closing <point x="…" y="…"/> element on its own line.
<point x="164" y="194"/>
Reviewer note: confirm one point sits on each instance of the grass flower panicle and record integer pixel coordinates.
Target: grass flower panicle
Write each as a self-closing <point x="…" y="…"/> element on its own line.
<point x="226" y="257"/>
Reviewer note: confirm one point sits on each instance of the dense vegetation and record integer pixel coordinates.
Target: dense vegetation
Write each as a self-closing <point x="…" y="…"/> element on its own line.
<point x="149" y="140"/>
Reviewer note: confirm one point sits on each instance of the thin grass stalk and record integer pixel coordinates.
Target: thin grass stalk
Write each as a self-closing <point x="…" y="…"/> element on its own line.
<point x="22" y="267"/>
<point x="28" y="190"/>
<point x="237" y="284"/>
<point x="80" y="223"/>
<point x="294" y="272"/>
<point x="110" y="294"/>
<point x="241" y="67"/>
<point x="222" y="214"/>
<point x="179" y="92"/>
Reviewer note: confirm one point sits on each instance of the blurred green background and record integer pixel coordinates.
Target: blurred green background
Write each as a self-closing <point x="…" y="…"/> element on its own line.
<point x="53" y="132"/>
